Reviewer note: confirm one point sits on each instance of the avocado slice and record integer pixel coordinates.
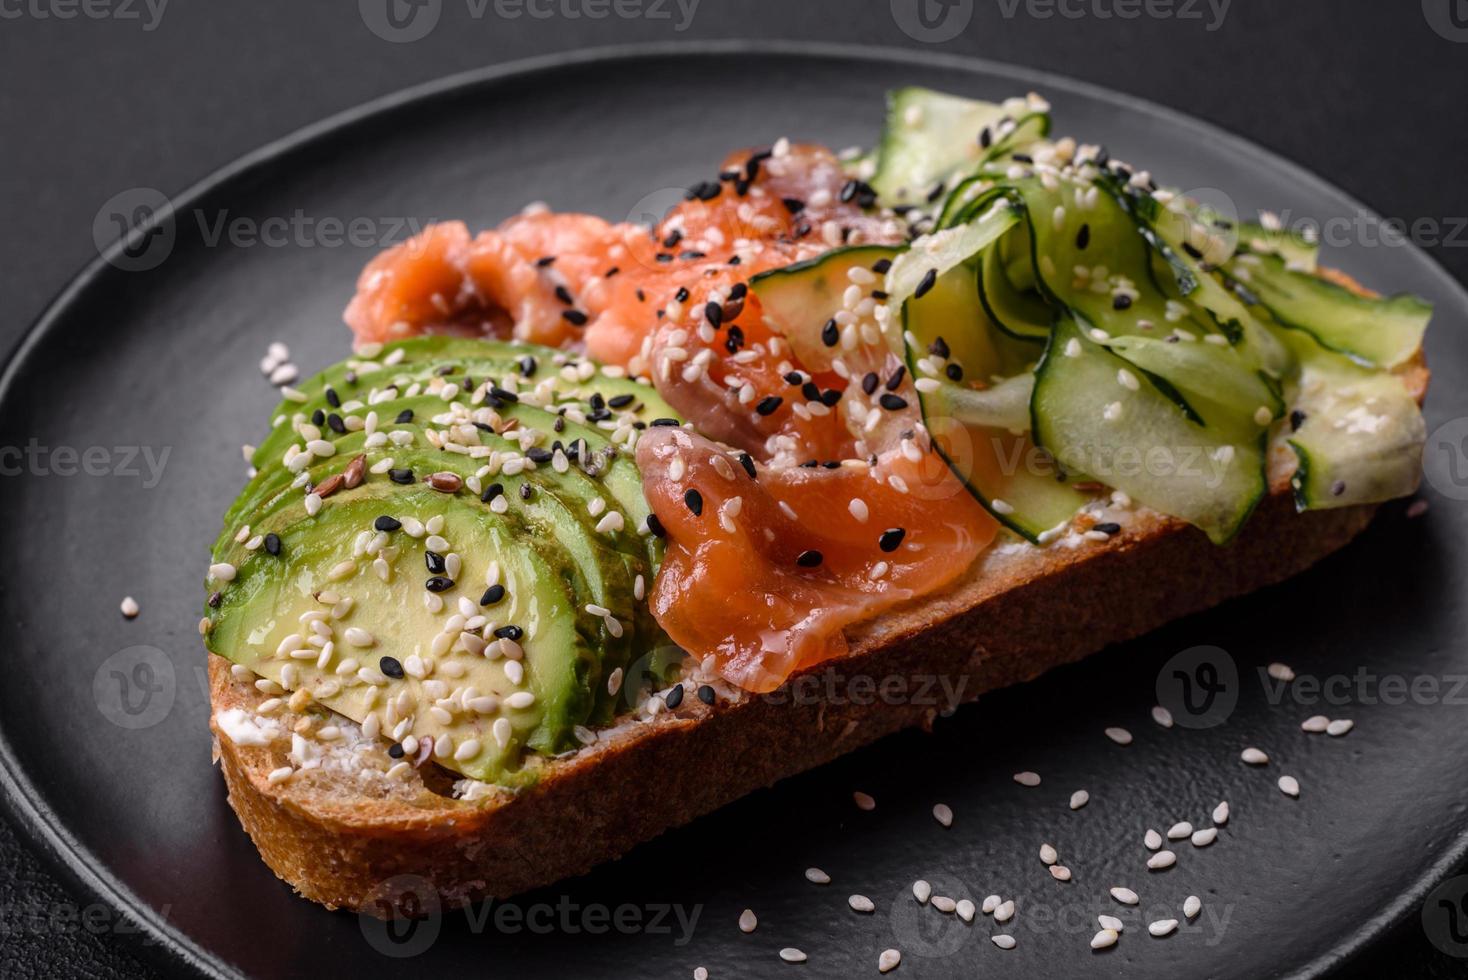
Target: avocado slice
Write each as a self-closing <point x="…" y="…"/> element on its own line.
<point x="344" y="605"/>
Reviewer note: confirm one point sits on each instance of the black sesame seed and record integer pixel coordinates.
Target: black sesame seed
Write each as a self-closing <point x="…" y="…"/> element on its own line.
<point x="694" y="500"/>
<point x="848" y="190"/>
<point x="891" y="538"/>
<point x="668" y="422"/>
<point x="706" y="191"/>
<point x="892" y="403"/>
<point x="830" y="397"/>
<point x="335" y="424"/>
<point x="830" y="333"/>
<point x="715" y="314"/>
<point x="386" y="523"/>
<point x="439" y="583"/>
<point x="682" y="294"/>
<point x="870" y="382"/>
<point x="895" y="382"/>
<point x="926" y="283"/>
<point x="1121" y="301"/>
<point x="391" y="667"/>
<point x="621" y="401"/>
<point x="809" y="559"/>
<point x="793" y="204"/>
<point x="655" y="526"/>
<point x="747" y="461"/>
<point x="672" y="239"/>
<point x="333" y="399"/>
<point x="675" y="696"/>
<point x="564" y="295"/>
<point x="527" y="366"/>
<point x="435" y="562"/>
<point x="215" y="598"/>
<point x="492" y="491"/>
<point x="502" y="394"/>
<point x="574" y="317"/>
<point x="954" y="372"/>
<point x="526" y="491"/>
<point x="405" y="416"/>
<point x="510" y="632"/>
<point x="539" y="454"/>
<point x="739" y="290"/>
<point x="706" y="694"/>
<point x="1337" y="488"/>
<point x="1083" y="237"/>
<point x="395" y="750"/>
<point x="1192" y="250"/>
<point x="545" y="260"/>
<point x="768" y="404"/>
<point x="832" y="464"/>
<point x="939" y="348"/>
<point x="1108" y="527"/>
<point x="986" y="138"/>
<point x="811" y="391"/>
<point x="272" y="544"/>
<point x="492" y="595"/>
<point x="403" y="476"/>
<point x="318" y="418"/>
<point x="794" y="378"/>
<point x="1297" y="419"/>
<point x="882" y="266"/>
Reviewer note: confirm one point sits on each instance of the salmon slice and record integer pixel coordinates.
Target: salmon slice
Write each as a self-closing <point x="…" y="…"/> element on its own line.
<point x="762" y="572"/>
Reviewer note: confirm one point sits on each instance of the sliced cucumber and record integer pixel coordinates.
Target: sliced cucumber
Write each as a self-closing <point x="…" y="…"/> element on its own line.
<point x="1216" y="381"/>
<point x="1381" y="332"/>
<point x="1359" y="436"/>
<point x="1299" y="253"/>
<point x="931" y="137"/>
<point x="1100" y="416"/>
<point x="800" y="300"/>
<point x="1022" y="315"/>
<point x="933" y="255"/>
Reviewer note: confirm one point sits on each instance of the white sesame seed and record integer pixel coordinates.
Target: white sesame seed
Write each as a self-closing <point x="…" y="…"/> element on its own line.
<point x="222" y="572"/>
<point x="864" y="801"/>
<point x="1079" y="799"/>
<point x="1001" y="506"/>
<point x="817" y="877"/>
<point x="860" y="903"/>
<point x="1162" y="716"/>
<point x="944" y="904"/>
<point x="130" y="607"/>
<point x="1161" y="861"/>
<point x="1152" y="840"/>
<point x="1289" y="786"/>
<point x="1127" y="380"/>
<point x="1281" y="672"/>
<point x="1179" y="830"/>
<point x="1110" y="922"/>
<point x="1254" y="757"/>
<point x="888" y="960"/>
<point x="1027" y="778"/>
<point x="858" y="508"/>
<point x="1004" y="911"/>
<point x="1162" y="927"/>
<point x="1315" y="724"/>
<point x="990" y="904"/>
<point x="700" y="973"/>
<point x="792" y="955"/>
<point x="280" y="775"/>
<point x="1048" y="854"/>
<point x="1119" y="735"/>
<point x="1220" y="813"/>
<point x="359" y="637"/>
<point x="943" y="814"/>
<point x="1339" y="727"/>
<point x="1103" y="939"/>
<point x="747" y="921"/>
<point x="520" y="699"/>
<point x="467" y="750"/>
<point x="1204" y="837"/>
<point x="1192" y="906"/>
<point x="965" y="910"/>
<point x="1263" y="416"/>
<point x="922" y="891"/>
<point x="1060" y="872"/>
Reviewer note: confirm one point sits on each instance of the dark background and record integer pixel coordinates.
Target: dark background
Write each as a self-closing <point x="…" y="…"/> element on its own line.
<point x="1365" y="93"/>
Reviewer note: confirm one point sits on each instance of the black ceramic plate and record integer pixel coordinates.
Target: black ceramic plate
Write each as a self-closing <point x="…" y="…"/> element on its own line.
<point x="106" y="752"/>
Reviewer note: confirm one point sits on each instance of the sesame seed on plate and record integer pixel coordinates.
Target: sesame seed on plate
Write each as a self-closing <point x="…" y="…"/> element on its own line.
<point x="1003" y="941"/>
<point x="1281" y="672"/>
<point x="944" y="904"/>
<point x="1027" y="778"/>
<point x="1339" y="727"/>
<point x="1004" y="911"/>
<point x="1162" y="927"/>
<point x="1104" y="939"/>
<point x="1192" y="906"/>
<point x="792" y="955"/>
<point x="965" y="910"/>
<point x="1153" y="840"/>
<point x="1315" y="724"/>
<point x="863" y="801"/>
<point x="1079" y="799"/>
<point x="1124" y="895"/>
<point x="860" y="903"/>
<point x="1204" y="837"/>
<point x="1060" y="872"/>
<point x="1254" y="757"/>
<point x="747" y="921"/>
<point x="700" y="973"/>
<point x="1162" y="716"/>
<point x="817" y="876"/>
<point x="1119" y="735"/>
<point x="1179" y="830"/>
<point x="1220" y="813"/>
<point x="888" y="960"/>
<point x="943" y="814"/>
<point x="922" y="891"/>
<point x="1110" y="922"/>
<point x="1048" y="854"/>
<point x="1161" y="861"/>
<point x="1289" y="786"/>
<point x="130" y="607"/>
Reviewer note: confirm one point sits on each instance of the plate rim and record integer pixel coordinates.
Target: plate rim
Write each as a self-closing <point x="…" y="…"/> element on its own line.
<point x="171" y="949"/>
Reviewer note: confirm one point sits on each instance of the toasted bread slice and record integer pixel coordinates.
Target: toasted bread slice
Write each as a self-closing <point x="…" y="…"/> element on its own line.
<point x="345" y="834"/>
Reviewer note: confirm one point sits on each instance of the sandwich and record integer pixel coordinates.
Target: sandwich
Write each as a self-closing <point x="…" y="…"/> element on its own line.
<point x="593" y="507"/>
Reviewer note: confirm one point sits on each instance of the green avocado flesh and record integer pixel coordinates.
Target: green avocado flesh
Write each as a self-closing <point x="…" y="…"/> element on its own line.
<point x="457" y="546"/>
<point x="1071" y="326"/>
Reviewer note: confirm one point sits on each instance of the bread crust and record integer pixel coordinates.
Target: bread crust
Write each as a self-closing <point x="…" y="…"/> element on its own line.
<point x="354" y="845"/>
